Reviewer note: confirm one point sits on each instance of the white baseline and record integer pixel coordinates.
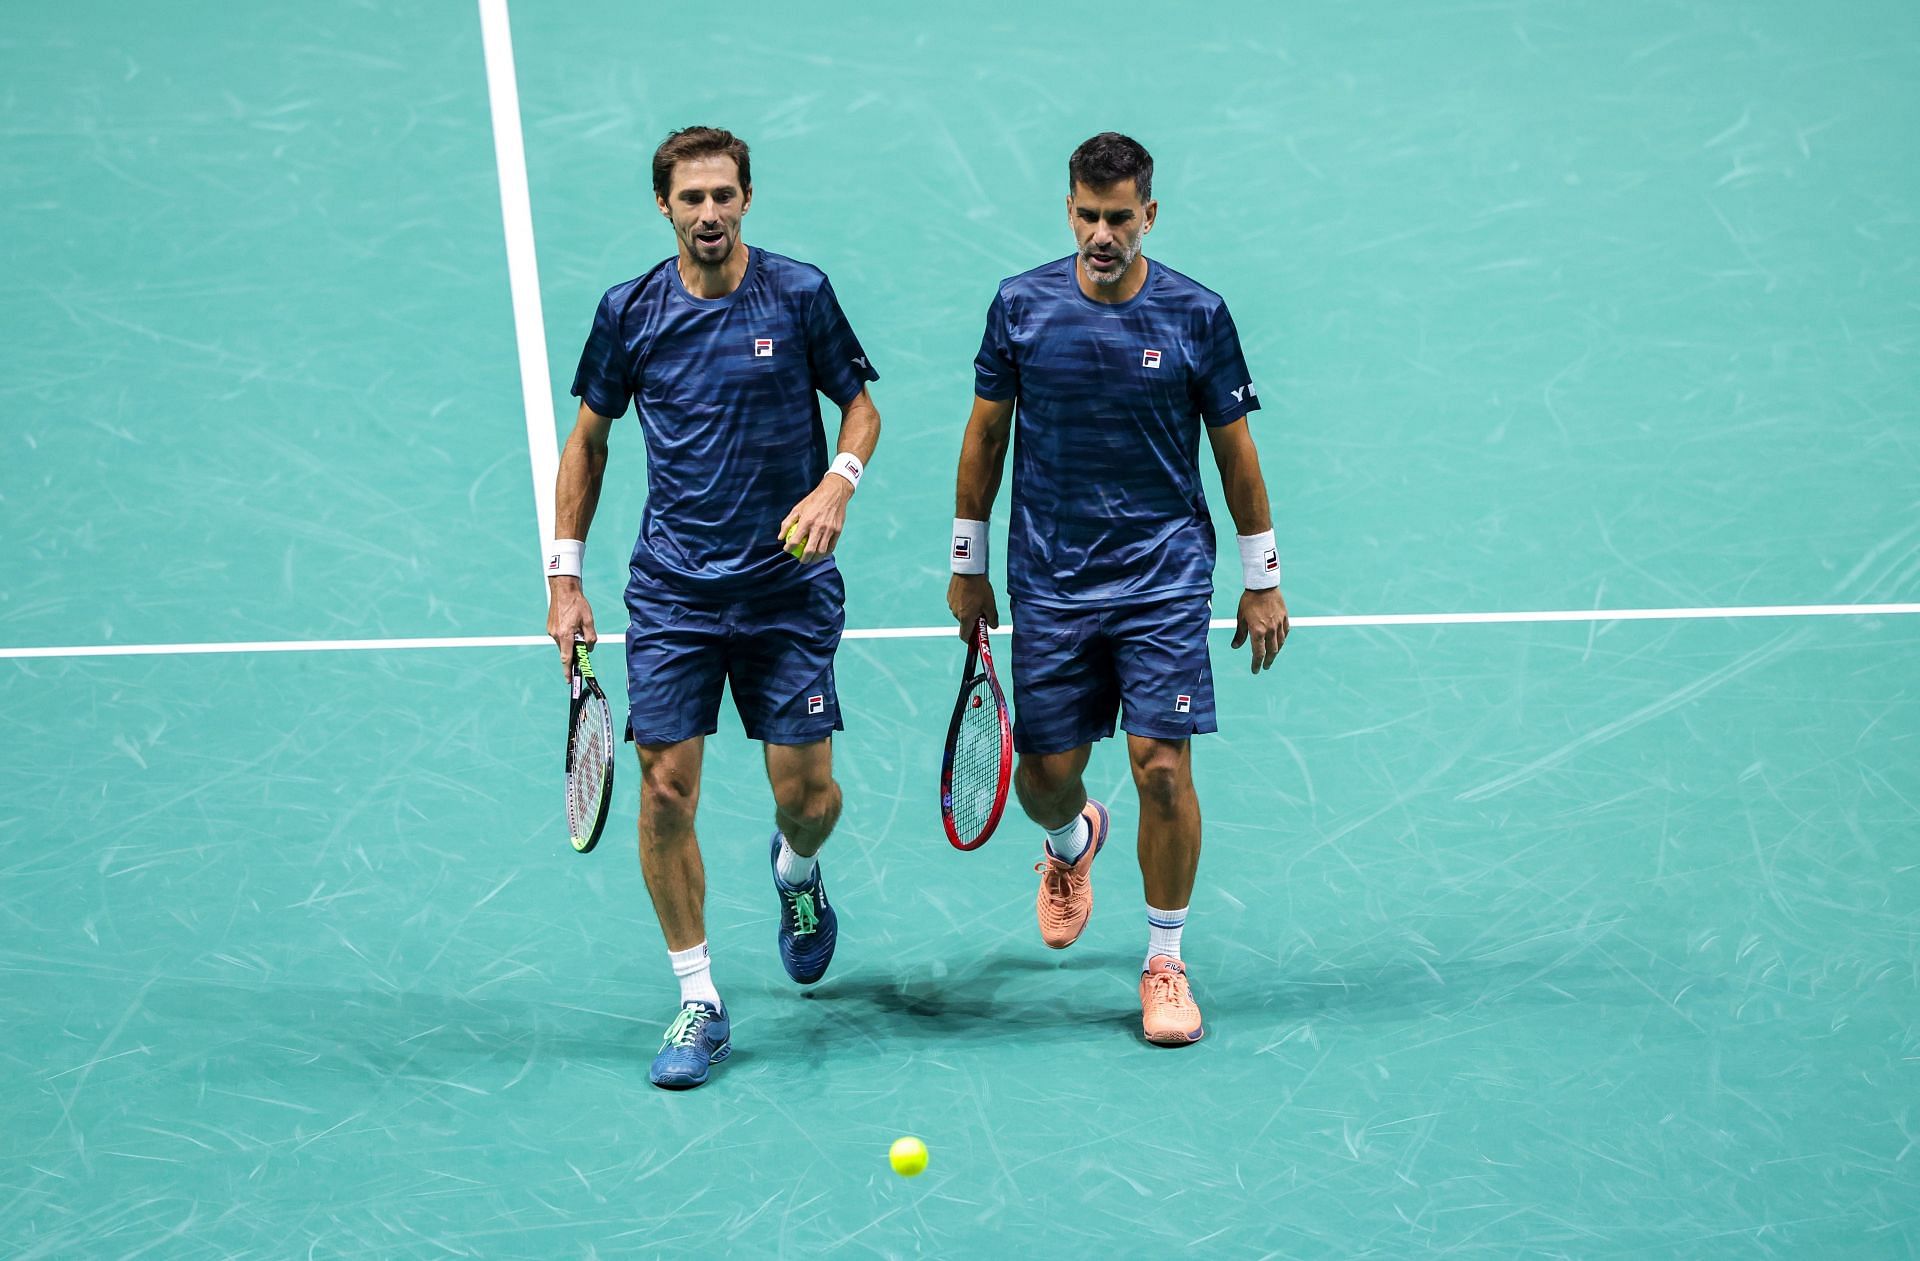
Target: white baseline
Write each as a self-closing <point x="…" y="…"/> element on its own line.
<point x="949" y="632"/>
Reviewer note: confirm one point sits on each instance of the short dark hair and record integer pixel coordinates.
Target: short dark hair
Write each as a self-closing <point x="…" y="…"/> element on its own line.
<point x="697" y="142"/>
<point x="1109" y="158"/>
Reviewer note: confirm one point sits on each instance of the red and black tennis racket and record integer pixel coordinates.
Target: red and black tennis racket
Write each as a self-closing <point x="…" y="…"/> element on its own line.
<point x="590" y="750"/>
<point x="978" y="764"/>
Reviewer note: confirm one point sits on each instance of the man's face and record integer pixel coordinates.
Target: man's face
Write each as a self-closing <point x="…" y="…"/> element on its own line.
<point x="704" y="204"/>
<point x="1108" y="224"/>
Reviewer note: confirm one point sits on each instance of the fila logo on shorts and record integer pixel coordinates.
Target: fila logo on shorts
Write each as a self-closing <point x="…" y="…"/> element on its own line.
<point x="1245" y="392"/>
<point x="763" y="348"/>
<point x="1149" y="358"/>
<point x="962" y="547"/>
<point x="1183" y="704"/>
<point x="816" y="704"/>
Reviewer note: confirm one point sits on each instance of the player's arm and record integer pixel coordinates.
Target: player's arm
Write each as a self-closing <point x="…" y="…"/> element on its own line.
<point x="576" y="493"/>
<point x="983" y="459"/>
<point x="1262" y="618"/>
<point x="815" y="523"/>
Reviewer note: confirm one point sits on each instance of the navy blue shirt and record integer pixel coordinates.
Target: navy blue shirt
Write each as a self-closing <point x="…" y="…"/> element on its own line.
<point x="1107" y="503"/>
<point x="726" y="394"/>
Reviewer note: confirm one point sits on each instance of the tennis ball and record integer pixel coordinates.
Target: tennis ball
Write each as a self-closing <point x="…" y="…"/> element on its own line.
<point x="798" y="549"/>
<point x="908" y="1156"/>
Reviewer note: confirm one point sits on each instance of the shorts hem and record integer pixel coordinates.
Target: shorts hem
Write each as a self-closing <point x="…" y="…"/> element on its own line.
<point x="797" y="737"/>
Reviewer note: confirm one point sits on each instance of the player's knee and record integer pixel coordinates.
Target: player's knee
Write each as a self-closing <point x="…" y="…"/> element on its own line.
<point x="811" y="803"/>
<point x="1160" y="777"/>
<point x="669" y="795"/>
<point x="1042" y="781"/>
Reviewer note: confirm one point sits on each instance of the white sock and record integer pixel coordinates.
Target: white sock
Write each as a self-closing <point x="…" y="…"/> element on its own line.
<point x="695" y="971"/>
<point x="1070" y="840"/>
<point x="1163" y="932"/>
<point x="791" y="867"/>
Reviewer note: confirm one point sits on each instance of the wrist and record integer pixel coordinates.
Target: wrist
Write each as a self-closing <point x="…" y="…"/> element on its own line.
<point x="565" y="558"/>
<point x="969" y="551"/>
<point x="1259" y="561"/>
<point x="848" y="468"/>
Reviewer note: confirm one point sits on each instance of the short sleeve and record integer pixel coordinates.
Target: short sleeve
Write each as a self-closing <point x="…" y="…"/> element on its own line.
<point x="835" y="357"/>
<point x="1222" y="387"/>
<point x="996" y="377"/>
<point x="602" y="381"/>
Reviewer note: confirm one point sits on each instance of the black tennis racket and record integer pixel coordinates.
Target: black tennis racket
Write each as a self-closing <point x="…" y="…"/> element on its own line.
<point x="589" y="755"/>
<point x="978" y="764"/>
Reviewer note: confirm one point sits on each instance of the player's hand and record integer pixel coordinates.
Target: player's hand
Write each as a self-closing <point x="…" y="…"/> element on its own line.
<point x="814" y="525"/>
<point x="569" y="619"/>
<point x="1263" y="621"/>
<point x="970" y="597"/>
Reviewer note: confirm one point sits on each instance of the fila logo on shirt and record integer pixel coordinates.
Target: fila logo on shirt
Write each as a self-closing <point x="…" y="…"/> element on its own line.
<point x="763" y="348"/>
<point x="1183" y="704"/>
<point x="816" y="704"/>
<point x="1245" y="392"/>
<point x="1149" y="358"/>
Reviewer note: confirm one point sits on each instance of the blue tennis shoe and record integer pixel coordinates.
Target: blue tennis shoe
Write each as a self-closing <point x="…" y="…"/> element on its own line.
<point x="694" y="1043"/>
<point x="808" y="926"/>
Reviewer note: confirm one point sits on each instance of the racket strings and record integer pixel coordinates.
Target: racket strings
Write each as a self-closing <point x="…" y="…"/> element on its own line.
<point x="592" y="750"/>
<point x="977" y="754"/>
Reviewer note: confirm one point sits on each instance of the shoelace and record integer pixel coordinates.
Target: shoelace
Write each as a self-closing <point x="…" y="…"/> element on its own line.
<point x="1057" y="879"/>
<point x="685" y="1029"/>
<point x="1164" y="987"/>
<point x="805" y="918"/>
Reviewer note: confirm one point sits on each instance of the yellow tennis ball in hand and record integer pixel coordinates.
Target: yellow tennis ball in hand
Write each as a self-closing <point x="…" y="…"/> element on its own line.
<point x="908" y="1156"/>
<point x="798" y="549"/>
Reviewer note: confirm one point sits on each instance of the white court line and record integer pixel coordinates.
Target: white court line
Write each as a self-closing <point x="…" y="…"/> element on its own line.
<point x="948" y="632"/>
<point x="523" y="274"/>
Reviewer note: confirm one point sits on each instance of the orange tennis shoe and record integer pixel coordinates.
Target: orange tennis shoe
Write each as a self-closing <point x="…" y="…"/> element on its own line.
<point x="1168" y="1013"/>
<point x="1066" y="889"/>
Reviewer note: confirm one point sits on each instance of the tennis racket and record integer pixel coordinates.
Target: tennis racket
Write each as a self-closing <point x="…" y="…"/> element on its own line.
<point x="978" y="764"/>
<point x="589" y="755"/>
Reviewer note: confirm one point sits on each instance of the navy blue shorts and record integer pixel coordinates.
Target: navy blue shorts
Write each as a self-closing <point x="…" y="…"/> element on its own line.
<point x="777" y="652"/>
<point x="1075" y="669"/>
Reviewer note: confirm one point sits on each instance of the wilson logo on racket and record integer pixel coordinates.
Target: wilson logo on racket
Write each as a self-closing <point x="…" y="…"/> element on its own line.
<point x="816" y="704"/>
<point x="763" y="348"/>
<point x="1149" y="358"/>
<point x="1183" y="704"/>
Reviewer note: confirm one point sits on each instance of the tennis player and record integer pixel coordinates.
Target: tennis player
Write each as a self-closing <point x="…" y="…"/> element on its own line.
<point x="723" y="349"/>
<point x="1115" y="365"/>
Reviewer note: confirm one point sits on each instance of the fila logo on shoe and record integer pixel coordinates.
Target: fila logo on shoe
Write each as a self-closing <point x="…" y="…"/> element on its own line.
<point x="1183" y="704"/>
<point x="1149" y="358"/>
<point x="763" y="348"/>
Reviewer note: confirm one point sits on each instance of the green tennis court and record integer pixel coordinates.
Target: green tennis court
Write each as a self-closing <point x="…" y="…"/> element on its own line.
<point x="1530" y="938"/>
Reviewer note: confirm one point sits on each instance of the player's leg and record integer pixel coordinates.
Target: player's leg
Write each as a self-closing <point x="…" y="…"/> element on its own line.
<point x="1064" y="698"/>
<point x="675" y="670"/>
<point x="780" y="664"/>
<point x="806" y="805"/>
<point x="1161" y="654"/>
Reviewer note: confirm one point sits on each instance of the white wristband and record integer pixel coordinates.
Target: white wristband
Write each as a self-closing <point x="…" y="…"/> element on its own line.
<point x="848" y="465"/>
<point x="1259" y="561"/>
<point x="969" y="546"/>
<point x="564" y="557"/>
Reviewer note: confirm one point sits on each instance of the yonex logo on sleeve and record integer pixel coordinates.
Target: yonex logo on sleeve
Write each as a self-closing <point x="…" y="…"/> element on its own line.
<point x="1183" y="704"/>
<point x="1245" y="392"/>
<point x="763" y="348"/>
<point x="1149" y="358"/>
<point x="962" y="547"/>
<point x="860" y="362"/>
<point x="816" y="704"/>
